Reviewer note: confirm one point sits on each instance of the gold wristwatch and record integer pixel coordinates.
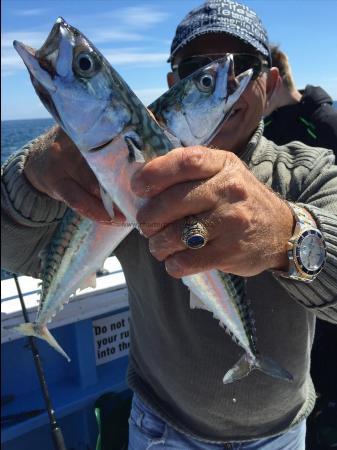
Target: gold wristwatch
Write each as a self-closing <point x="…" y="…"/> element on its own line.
<point x="306" y="248"/>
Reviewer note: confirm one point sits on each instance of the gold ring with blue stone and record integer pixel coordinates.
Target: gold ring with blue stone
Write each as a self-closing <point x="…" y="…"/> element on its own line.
<point x="194" y="234"/>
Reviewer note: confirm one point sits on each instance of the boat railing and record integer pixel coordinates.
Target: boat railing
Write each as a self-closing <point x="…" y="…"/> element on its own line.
<point x="109" y="295"/>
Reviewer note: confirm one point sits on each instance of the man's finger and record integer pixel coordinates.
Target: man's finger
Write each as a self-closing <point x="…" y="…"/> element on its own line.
<point x="82" y="202"/>
<point x="168" y="240"/>
<point x="85" y="177"/>
<point x="226" y="229"/>
<point x="178" y="166"/>
<point x="175" y="203"/>
<point x="190" y="262"/>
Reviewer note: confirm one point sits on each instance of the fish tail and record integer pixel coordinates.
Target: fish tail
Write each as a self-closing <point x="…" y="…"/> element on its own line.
<point x="42" y="332"/>
<point x="246" y="364"/>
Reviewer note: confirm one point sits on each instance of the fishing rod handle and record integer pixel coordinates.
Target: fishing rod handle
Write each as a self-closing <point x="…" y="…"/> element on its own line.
<point x="58" y="439"/>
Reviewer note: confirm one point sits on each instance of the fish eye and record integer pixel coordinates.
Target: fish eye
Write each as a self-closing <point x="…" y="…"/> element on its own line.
<point x="85" y="64"/>
<point x="205" y="82"/>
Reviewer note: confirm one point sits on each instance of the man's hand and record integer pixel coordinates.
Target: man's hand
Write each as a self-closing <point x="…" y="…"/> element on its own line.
<point x="61" y="172"/>
<point x="248" y="225"/>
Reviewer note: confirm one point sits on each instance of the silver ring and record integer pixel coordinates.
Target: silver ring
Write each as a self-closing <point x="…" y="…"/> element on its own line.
<point x="194" y="234"/>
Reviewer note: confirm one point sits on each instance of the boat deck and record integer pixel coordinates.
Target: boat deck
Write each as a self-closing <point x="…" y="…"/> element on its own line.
<point x="93" y="330"/>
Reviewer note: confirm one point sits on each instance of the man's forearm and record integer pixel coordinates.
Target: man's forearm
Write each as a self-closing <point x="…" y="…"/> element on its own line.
<point x="29" y="217"/>
<point x="319" y="197"/>
<point x="320" y="295"/>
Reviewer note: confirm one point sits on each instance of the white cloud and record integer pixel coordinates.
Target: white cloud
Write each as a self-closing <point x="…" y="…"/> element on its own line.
<point x="123" y="57"/>
<point x="11" y="61"/>
<point x="100" y="36"/>
<point x="31" y="38"/>
<point x="30" y="12"/>
<point x="96" y="35"/>
<point x="142" y="16"/>
<point x="7" y="73"/>
<point x="138" y="17"/>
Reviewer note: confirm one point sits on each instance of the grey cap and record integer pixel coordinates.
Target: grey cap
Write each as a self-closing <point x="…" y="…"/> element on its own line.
<point x="222" y="16"/>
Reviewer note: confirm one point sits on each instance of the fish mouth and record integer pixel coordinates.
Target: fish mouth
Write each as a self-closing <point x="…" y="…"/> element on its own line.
<point x="52" y="42"/>
<point x="37" y="71"/>
<point x="43" y="65"/>
<point x="50" y="60"/>
<point x="46" y="63"/>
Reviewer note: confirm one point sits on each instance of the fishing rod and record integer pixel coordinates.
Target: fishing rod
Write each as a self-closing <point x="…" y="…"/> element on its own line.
<point x="55" y="428"/>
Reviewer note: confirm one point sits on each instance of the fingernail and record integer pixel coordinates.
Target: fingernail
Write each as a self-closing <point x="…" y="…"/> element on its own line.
<point x="171" y="265"/>
<point x="151" y="247"/>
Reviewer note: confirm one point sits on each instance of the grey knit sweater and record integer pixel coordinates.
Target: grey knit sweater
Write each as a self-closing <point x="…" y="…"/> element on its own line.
<point x="178" y="356"/>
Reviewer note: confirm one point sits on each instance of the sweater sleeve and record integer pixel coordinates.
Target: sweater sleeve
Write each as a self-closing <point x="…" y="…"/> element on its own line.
<point x="29" y="217"/>
<point x="318" y="194"/>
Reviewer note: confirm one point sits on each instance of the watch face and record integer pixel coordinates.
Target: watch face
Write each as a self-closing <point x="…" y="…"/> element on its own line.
<point x="311" y="251"/>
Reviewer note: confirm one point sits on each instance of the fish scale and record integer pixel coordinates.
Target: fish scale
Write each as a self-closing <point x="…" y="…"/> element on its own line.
<point x="116" y="135"/>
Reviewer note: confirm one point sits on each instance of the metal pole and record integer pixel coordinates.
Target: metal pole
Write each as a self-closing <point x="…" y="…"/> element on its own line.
<point x="55" y="429"/>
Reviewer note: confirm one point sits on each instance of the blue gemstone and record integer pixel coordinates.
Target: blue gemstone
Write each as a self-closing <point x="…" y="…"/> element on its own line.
<point x="195" y="241"/>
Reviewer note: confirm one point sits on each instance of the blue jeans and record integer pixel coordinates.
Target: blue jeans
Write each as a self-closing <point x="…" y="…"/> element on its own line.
<point x="147" y="431"/>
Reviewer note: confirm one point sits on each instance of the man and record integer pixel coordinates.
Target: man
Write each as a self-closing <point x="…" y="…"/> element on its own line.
<point x="299" y="115"/>
<point x="178" y="357"/>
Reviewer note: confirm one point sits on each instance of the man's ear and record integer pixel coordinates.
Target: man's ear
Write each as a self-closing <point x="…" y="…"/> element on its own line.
<point x="171" y="80"/>
<point x="273" y="81"/>
<point x="272" y="90"/>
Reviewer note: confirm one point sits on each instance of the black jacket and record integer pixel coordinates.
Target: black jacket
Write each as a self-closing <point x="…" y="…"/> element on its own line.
<point x="312" y="121"/>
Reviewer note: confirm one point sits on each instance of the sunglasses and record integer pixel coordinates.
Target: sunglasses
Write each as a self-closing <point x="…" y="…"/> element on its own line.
<point x="242" y="62"/>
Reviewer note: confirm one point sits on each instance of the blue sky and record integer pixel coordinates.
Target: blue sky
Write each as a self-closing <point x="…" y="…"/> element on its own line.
<point x="135" y="36"/>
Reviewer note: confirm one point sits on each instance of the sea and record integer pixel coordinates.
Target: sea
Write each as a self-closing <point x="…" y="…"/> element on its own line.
<point x="16" y="133"/>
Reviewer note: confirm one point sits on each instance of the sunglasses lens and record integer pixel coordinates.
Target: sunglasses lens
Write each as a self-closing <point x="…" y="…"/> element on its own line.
<point x="242" y="62"/>
<point x="245" y="62"/>
<point x="188" y="66"/>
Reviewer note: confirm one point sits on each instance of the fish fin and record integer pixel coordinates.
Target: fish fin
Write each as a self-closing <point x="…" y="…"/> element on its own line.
<point x="246" y="364"/>
<point x="135" y="152"/>
<point x="240" y="370"/>
<point x="196" y="302"/>
<point x="107" y="201"/>
<point x="272" y="368"/>
<point x="42" y="332"/>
